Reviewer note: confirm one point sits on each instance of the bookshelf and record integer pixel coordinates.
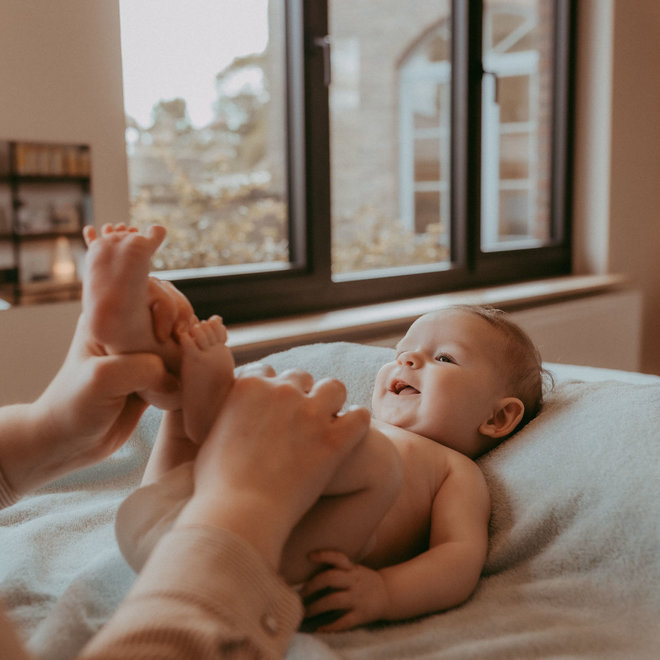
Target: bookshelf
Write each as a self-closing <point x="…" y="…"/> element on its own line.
<point x="45" y="200"/>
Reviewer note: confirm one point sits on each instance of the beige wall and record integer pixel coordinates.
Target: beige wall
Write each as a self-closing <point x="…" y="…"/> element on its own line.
<point x="60" y="78"/>
<point x="635" y="173"/>
<point x="617" y="200"/>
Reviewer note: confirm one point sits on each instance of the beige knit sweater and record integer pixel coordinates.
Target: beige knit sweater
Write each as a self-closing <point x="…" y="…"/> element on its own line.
<point x="204" y="593"/>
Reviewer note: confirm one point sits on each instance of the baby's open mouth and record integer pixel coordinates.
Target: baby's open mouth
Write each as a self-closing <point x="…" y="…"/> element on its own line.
<point x="403" y="388"/>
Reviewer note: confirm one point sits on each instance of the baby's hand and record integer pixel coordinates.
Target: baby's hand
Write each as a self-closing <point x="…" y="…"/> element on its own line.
<point x="356" y="590"/>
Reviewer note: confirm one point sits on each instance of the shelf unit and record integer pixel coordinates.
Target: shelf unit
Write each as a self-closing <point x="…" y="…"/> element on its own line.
<point x="45" y="200"/>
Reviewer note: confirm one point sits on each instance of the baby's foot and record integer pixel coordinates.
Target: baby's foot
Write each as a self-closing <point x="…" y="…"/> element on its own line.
<point x="116" y="290"/>
<point x="207" y="374"/>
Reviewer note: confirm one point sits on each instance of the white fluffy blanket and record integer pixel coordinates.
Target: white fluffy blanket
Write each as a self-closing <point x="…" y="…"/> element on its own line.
<point x="573" y="568"/>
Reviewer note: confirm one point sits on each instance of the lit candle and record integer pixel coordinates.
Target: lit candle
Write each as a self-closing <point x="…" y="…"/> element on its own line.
<point x="64" y="267"/>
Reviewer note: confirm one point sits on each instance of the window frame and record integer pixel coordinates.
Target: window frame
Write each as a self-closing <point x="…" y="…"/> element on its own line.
<point x="308" y="285"/>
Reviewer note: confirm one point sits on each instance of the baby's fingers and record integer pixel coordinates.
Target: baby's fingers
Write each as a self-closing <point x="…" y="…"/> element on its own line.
<point x="332" y="602"/>
<point x="347" y="622"/>
<point x="331" y="558"/>
<point x="330" y="579"/>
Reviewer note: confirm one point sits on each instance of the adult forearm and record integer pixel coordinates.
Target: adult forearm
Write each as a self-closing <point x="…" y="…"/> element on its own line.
<point x="23" y="453"/>
<point x="203" y="593"/>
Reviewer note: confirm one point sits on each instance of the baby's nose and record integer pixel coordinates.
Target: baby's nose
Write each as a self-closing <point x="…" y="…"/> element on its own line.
<point x="410" y="359"/>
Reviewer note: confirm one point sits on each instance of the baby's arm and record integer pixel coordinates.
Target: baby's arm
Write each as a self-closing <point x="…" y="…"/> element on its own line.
<point x="440" y="578"/>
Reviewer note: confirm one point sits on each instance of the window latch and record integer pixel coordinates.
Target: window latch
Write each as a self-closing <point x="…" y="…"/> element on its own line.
<point x="496" y="84"/>
<point x="324" y="44"/>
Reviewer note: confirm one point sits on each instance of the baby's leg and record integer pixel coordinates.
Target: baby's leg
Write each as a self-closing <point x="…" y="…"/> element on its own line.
<point x="207" y="374"/>
<point x="118" y="294"/>
<point x="171" y="448"/>
<point x="346" y="516"/>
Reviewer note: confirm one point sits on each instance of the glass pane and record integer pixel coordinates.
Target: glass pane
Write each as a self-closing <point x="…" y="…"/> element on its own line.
<point x="514" y="213"/>
<point x="204" y="91"/>
<point x="389" y="132"/>
<point x="428" y="161"/>
<point x="514" y="98"/>
<point x="514" y="156"/>
<point x="517" y="123"/>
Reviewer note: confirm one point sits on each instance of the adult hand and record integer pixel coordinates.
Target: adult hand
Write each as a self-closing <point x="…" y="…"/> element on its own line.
<point x="170" y="309"/>
<point x="86" y="413"/>
<point x="269" y="456"/>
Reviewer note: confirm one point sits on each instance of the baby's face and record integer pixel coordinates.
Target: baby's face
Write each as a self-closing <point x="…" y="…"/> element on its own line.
<point x="445" y="381"/>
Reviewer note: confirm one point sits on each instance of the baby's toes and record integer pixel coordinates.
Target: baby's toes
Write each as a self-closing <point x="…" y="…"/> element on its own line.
<point x="89" y="234"/>
<point x="217" y="329"/>
<point x="202" y="335"/>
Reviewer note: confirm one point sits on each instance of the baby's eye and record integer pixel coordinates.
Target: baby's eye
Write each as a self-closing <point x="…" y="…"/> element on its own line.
<point x="445" y="357"/>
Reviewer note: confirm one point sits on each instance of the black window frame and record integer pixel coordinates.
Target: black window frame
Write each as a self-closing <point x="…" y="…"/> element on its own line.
<point x="307" y="285"/>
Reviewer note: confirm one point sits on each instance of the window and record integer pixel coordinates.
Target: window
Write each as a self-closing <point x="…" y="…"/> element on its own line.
<point x="351" y="151"/>
<point x="516" y="124"/>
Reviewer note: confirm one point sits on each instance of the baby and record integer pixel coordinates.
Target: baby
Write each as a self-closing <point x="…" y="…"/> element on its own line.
<point x="402" y="530"/>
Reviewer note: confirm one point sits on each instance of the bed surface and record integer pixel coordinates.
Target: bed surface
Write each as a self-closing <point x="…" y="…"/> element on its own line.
<point x="573" y="568"/>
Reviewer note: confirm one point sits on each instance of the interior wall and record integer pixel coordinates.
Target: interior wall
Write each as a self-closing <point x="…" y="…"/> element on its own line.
<point x="60" y="80"/>
<point x="634" y="234"/>
<point x="593" y="126"/>
<point x="617" y="165"/>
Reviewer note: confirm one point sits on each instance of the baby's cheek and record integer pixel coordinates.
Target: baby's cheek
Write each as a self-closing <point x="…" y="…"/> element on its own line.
<point x="378" y="391"/>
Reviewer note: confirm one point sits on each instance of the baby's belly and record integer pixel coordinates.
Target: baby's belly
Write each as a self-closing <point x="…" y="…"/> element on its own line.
<point x="397" y="540"/>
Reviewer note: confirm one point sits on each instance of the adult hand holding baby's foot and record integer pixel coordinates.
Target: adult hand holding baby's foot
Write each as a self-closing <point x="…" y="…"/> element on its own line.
<point x="90" y="408"/>
<point x="127" y="310"/>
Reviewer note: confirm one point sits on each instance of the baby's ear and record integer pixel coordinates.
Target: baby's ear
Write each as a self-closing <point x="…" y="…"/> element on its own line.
<point x="505" y="418"/>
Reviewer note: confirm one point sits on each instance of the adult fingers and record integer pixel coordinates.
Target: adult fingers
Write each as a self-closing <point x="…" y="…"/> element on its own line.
<point x="169" y="308"/>
<point x="350" y="427"/>
<point x="123" y="374"/>
<point x="185" y="311"/>
<point x="255" y="369"/>
<point x="331" y="392"/>
<point x="301" y="379"/>
<point x="163" y="310"/>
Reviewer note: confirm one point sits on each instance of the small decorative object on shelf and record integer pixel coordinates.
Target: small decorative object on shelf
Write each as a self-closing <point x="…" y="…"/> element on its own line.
<point x="45" y="201"/>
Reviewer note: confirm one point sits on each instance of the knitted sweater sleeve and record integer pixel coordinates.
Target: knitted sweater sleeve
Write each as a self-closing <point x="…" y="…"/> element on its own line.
<point x="204" y="593"/>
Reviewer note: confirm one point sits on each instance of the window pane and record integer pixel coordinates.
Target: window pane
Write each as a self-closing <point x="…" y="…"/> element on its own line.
<point x="389" y="133"/>
<point x="517" y="123"/>
<point x="204" y="99"/>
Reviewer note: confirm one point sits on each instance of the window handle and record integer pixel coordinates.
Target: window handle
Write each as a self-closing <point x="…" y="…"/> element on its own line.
<point x="324" y="44"/>
<point x="496" y="82"/>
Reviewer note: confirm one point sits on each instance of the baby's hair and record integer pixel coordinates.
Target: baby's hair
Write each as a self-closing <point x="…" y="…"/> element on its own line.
<point x="523" y="360"/>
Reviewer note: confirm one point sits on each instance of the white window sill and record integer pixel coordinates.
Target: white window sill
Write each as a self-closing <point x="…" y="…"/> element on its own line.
<point x="251" y="341"/>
